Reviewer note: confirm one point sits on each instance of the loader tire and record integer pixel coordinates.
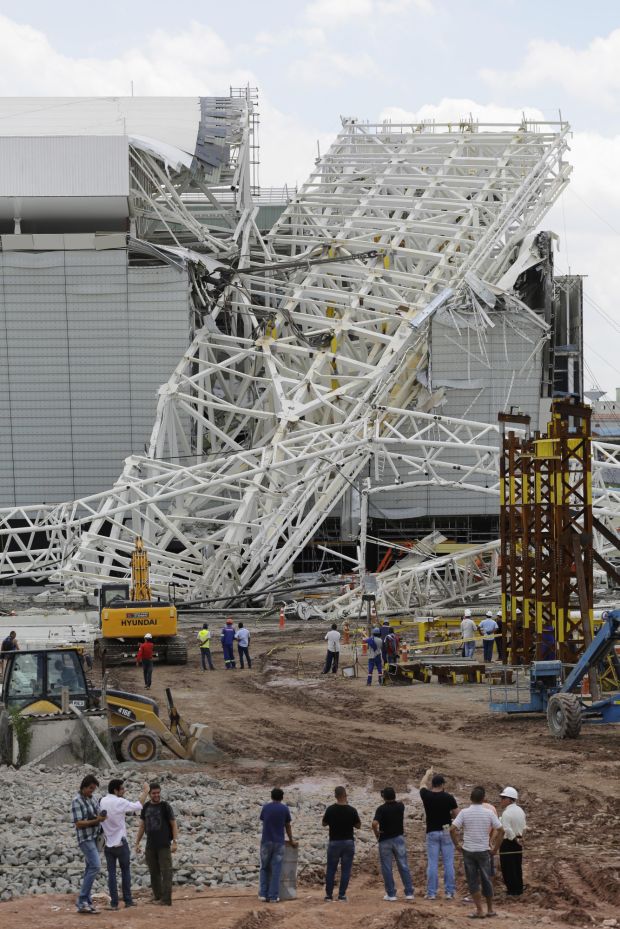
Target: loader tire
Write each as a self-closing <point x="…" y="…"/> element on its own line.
<point x="564" y="716"/>
<point x="176" y="650"/>
<point x="140" y="746"/>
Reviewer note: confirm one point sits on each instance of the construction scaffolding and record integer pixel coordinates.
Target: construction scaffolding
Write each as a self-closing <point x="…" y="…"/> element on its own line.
<point x="546" y="536"/>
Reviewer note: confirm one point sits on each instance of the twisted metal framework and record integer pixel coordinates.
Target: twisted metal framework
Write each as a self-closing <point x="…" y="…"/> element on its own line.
<point x="311" y="364"/>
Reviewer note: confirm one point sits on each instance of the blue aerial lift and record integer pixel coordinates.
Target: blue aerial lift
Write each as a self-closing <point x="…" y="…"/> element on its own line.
<point x="565" y="708"/>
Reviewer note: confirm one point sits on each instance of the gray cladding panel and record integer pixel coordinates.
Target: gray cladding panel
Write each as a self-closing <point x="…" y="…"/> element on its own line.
<point x="505" y="372"/>
<point x="85" y="343"/>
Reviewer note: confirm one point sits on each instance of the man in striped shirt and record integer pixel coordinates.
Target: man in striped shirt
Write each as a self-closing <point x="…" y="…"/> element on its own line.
<point x="87" y="822"/>
<point x="481" y="835"/>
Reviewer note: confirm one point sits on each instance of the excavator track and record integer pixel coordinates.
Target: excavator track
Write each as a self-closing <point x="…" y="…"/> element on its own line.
<point x="116" y="652"/>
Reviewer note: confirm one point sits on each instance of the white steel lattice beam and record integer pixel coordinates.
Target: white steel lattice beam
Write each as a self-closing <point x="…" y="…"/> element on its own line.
<point x="300" y="377"/>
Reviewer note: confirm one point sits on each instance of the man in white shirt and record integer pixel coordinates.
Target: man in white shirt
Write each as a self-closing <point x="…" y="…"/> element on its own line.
<point x="333" y="650"/>
<point x="468" y="634"/>
<point x="114" y="807"/>
<point x="242" y="636"/>
<point x="511" y="849"/>
<point x="488" y="628"/>
<point x="482" y="833"/>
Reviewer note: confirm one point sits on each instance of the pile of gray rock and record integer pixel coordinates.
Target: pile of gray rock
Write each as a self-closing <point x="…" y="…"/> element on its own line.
<point x="219" y="828"/>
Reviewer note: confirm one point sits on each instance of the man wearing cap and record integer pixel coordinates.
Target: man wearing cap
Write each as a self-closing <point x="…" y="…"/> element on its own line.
<point x="488" y="628"/>
<point x="511" y="849"/>
<point x="374" y="645"/>
<point x="468" y="633"/>
<point x="440" y="808"/>
<point x="227" y="638"/>
<point x="145" y="658"/>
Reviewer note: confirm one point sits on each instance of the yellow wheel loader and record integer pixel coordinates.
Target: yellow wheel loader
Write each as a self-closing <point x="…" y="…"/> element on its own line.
<point x="36" y="682"/>
<point x="127" y="614"/>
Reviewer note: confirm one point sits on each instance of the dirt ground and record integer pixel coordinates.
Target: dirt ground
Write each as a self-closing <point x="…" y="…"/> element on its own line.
<point x="284" y="722"/>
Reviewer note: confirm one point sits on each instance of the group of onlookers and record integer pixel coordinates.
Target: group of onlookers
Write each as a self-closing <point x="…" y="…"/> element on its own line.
<point x="476" y="831"/>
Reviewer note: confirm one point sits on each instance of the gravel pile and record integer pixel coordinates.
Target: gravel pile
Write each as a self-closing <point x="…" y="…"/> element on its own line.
<point x="219" y="829"/>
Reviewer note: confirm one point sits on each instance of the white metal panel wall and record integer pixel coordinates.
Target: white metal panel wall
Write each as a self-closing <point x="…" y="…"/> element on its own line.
<point x="506" y="372"/>
<point x="87" y="341"/>
<point x="81" y="166"/>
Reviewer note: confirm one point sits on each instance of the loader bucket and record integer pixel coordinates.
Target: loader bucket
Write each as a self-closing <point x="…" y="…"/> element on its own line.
<point x="200" y="746"/>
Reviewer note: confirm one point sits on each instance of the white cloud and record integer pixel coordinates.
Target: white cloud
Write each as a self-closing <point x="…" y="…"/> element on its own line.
<point x="327" y="68"/>
<point x="591" y="73"/>
<point x="330" y="13"/>
<point x="454" y="110"/>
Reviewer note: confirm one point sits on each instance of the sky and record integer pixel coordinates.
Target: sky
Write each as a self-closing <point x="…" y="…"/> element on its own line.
<point x="314" y="61"/>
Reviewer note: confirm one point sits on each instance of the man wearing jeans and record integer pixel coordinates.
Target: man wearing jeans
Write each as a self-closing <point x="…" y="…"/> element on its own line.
<point x="388" y="826"/>
<point x="276" y="818"/>
<point x="86" y="819"/>
<point x="342" y="819"/>
<point x="440" y="808"/>
<point x="478" y="825"/>
<point x="115" y="807"/>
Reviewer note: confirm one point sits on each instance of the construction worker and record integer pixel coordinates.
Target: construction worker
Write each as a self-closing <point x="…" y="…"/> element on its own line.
<point x="468" y="632"/>
<point x="145" y="658"/>
<point x="488" y="628"/>
<point x="374" y="644"/>
<point x="391" y="645"/>
<point x="227" y="639"/>
<point x="243" y="644"/>
<point x="383" y="632"/>
<point x="204" y="639"/>
<point x="333" y="650"/>
<point x="511" y="848"/>
<point x="8" y="645"/>
<point x="498" y="635"/>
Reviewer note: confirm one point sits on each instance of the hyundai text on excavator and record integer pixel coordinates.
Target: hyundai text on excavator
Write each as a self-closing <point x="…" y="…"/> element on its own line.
<point x="127" y="614"/>
<point x="50" y="686"/>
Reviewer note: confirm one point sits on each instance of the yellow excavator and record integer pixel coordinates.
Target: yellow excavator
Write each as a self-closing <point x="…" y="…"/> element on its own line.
<point x="127" y="614"/>
<point x="33" y="685"/>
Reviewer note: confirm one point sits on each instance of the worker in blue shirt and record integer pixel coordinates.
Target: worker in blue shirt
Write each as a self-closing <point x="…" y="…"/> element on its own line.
<point x="227" y="639"/>
<point x="488" y="629"/>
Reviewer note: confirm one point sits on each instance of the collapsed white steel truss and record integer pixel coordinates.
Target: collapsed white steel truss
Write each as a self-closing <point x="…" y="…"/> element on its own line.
<point x="305" y="375"/>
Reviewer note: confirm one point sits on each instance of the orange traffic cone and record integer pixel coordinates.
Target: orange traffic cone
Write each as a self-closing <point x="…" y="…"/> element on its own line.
<point x="281" y="623"/>
<point x="345" y="633"/>
<point x="404" y="652"/>
<point x="585" y="686"/>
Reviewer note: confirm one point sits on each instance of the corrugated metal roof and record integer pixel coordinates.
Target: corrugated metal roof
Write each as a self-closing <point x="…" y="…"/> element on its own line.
<point x="174" y="120"/>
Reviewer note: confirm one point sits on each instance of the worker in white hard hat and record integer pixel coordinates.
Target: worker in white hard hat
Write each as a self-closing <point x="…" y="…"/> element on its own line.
<point x="488" y="629"/>
<point x="145" y="658"/>
<point x="468" y="634"/>
<point x="511" y="849"/>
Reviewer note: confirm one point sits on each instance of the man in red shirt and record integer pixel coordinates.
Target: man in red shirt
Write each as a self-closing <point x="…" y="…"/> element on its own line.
<point x="145" y="657"/>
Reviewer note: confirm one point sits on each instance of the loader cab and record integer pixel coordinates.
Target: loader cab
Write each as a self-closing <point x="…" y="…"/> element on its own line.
<point x="33" y="680"/>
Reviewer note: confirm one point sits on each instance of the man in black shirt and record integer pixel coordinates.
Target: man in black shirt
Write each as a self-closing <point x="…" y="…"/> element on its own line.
<point x="157" y="819"/>
<point x="388" y="826"/>
<point x="342" y="819"/>
<point x="440" y="808"/>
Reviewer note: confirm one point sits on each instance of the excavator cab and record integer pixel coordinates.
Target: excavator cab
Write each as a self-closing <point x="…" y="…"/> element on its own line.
<point x="34" y="680"/>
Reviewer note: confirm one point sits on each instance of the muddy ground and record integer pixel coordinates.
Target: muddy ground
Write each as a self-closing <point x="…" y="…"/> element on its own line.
<point x="284" y="723"/>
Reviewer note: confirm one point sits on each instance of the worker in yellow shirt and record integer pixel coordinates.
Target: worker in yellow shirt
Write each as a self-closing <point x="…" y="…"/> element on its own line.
<point x="204" y="639"/>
